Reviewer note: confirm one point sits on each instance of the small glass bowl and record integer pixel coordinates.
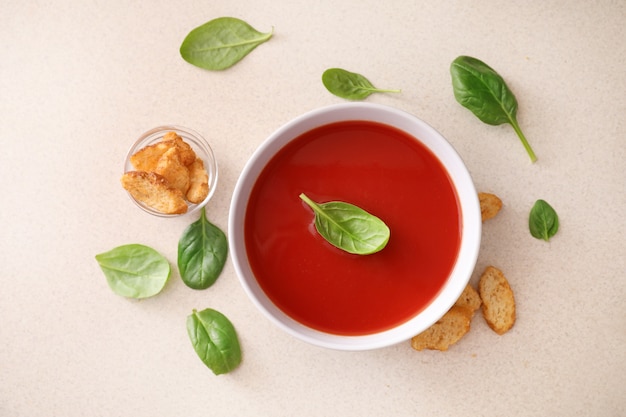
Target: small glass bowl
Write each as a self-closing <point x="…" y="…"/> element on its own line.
<point x="200" y="147"/>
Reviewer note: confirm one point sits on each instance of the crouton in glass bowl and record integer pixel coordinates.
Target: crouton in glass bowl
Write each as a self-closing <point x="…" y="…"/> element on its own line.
<point x="170" y="171"/>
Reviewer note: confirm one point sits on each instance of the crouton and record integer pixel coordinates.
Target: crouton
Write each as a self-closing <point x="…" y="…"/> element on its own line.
<point x="198" y="182"/>
<point x="154" y="191"/>
<point x="147" y="158"/>
<point x="498" y="300"/>
<point x="469" y="300"/>
<point x="490" y="205"/>
<point x="170" y="167"/>
<point x="186" y="152"/>
<point x="445" y="332"/>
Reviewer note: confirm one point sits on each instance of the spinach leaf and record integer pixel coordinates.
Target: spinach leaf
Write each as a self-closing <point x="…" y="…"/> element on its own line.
<point x="202" y="252"/>
<point x="215" y="340"/>
<point x="221" y="43"/>
<point x="543" y="221"/>
<point x="349" y="85"/>
<point x="349" y="227"/>
<point x="483" y="91"/>
<point x="134" y="270"/>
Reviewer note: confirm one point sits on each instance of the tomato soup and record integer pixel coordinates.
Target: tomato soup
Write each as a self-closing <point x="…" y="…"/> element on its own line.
<point x="385" y="172"/>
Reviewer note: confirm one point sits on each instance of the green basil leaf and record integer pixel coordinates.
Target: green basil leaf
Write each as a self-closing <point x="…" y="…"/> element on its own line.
<point x="349" y="227"/>
<point x="215" y="340"/>
<point x="202" y="252"/>
<point x="349" y="85"/>
<point x="221" y="43"/>
<point x="483" y="91"/>
<point x="543" y="221"/>
<point x="134" y="270"/>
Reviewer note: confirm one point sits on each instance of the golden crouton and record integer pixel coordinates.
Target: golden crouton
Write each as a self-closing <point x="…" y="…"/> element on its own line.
<point x="198" y="182"/>
<point x="446" y="332"/>
<point x="498" y="300"/>
<point x="469" y="300"/>
<point x="170" y="167"/>
<point x="490" y="205"/>
<point x="154" y="191"/>
<point x="170" y="136"/>
<point x="452" y="326"/>
<point x="186" y="152"/>
<point x="147" y="158"/>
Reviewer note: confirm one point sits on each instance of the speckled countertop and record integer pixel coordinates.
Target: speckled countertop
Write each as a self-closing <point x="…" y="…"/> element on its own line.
<point x="79" y="81"/>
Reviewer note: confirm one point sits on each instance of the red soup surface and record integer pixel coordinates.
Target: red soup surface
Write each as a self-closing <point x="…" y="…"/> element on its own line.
<point x="382" y="170"/>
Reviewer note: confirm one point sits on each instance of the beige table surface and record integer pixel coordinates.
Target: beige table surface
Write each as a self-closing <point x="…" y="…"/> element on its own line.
<point x="79" y="81"/>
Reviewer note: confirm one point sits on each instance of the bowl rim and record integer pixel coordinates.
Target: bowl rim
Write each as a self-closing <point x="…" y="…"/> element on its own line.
<point x="466" y="195"/>
<point x="198" y="143"/>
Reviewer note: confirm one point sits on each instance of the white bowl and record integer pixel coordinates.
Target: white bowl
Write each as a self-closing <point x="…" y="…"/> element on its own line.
<point x="467" y="199"/>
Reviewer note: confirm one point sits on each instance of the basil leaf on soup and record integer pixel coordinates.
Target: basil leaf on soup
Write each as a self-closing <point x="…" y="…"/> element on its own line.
<point x="221" y="43"/>
<point x="134" y="270"/>
<point x="202" y="253"/>
<point x="543" y="221"/>
<point x="349" y="85"/>
<point x="215" y="340"/>
<point x="480" y="89"/>
<point x="349" y="227"/>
